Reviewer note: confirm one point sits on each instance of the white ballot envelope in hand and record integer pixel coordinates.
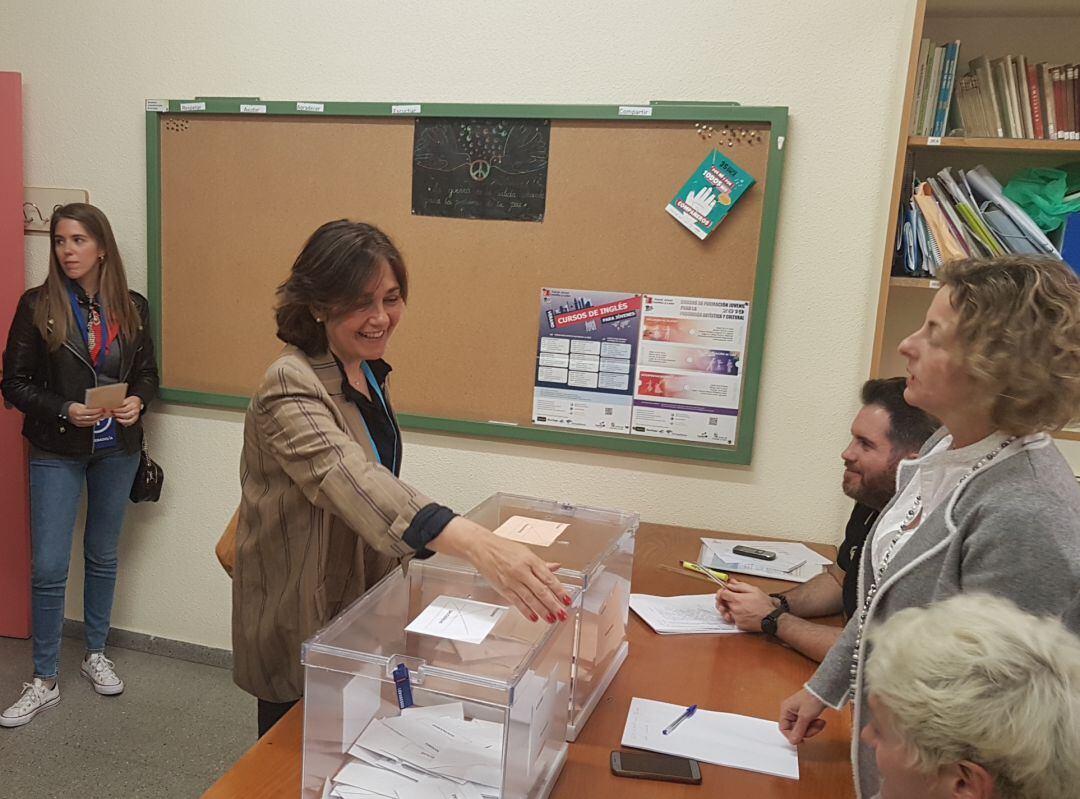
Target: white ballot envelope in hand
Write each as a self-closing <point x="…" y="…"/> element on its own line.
<point x="107" y="398"/>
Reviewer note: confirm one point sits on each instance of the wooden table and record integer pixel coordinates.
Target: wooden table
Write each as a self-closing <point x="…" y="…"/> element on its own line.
<point x="745" y="674"/>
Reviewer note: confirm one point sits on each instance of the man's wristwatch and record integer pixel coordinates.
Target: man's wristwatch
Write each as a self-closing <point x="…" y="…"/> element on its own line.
<point x="768" y="624"/>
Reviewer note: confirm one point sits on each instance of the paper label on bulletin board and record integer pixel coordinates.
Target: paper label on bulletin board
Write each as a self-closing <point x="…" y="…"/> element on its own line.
<point x="710" y="194"/>
<point x="688" y="382"/>
<point x="481" y="168"/>
<point x="585" y="356"/>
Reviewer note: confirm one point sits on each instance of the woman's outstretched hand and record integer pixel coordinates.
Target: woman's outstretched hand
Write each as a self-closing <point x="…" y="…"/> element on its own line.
<point x="513" y="569"/>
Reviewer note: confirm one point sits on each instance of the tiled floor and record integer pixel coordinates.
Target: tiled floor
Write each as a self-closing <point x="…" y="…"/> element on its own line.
<point x="176" y="728"/>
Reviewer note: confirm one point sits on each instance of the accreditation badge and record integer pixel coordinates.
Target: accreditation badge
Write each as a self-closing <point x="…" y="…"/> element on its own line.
<point x="106" y="434"/>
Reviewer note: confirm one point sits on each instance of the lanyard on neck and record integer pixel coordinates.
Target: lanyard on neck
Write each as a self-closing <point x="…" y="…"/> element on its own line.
<point x="393" y="430"/>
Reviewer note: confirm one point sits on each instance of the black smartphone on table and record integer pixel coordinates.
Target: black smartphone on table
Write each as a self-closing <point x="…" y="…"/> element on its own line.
<point x="754" y="552"/>
<point x="653" y="766"/>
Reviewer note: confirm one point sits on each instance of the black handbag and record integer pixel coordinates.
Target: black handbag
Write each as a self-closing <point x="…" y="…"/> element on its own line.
<point x="149" y="478"/>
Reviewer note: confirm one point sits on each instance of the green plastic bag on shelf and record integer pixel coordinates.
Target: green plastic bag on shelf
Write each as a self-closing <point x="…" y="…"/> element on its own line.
<point x="1047" y="195"/>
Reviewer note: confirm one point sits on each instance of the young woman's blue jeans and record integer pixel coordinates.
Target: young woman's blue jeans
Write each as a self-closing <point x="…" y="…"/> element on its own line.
<point x="55" y="490"/>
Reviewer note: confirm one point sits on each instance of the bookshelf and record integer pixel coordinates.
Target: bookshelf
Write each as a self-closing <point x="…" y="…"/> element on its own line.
<point x="1043" y="30"/>
<point x="1066" y="148"/>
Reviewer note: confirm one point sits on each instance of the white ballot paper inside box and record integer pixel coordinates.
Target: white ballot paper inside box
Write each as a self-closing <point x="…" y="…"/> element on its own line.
<point x="725" y="739"/>
<point x="603" y="619"/>
<point x="371" y="780"/>
<point x="372" y="757"/>
<point x="494" y="648"/>
<point x="536" y="701"/>
<point x="504" y="643"/>
<point x="456" y="750"/>
<point x="457" y="619"/>
<point x="425" y="747"/>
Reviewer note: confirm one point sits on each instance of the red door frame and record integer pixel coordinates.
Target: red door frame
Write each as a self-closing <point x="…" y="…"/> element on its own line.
<point x="14" y="488"/>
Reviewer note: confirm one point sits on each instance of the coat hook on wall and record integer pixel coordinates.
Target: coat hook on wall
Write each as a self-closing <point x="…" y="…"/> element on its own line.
<point x="29" y="210"/>
<point x="35" y="219"/>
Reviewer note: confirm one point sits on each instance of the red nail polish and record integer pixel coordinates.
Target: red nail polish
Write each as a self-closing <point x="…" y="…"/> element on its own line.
<point x="534" y="617"/>
<point x="566" y="600"/>
<point x="562" y="615"/>
<point x="551" y="618"/>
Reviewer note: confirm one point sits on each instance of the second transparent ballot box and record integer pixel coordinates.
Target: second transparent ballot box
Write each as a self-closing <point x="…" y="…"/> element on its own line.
<point x="485" y="692"/>
<point x="595" y="550"/>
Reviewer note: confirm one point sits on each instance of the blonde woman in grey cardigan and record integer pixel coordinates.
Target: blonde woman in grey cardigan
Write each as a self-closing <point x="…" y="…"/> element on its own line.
<point x="990" y="505"/>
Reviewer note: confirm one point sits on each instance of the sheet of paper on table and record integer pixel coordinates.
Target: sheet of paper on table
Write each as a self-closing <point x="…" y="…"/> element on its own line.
<point x="794" y="562"/>
<point x="693" y="614"/>
<point x="725" y="739"/>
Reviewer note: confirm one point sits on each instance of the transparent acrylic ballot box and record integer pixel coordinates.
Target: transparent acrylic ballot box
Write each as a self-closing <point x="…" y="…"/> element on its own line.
<point x="488" y="719"/>
<point x="596" y="553"/>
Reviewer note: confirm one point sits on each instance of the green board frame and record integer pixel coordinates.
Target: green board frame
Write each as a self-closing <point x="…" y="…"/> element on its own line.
<point x="776" y="117"/>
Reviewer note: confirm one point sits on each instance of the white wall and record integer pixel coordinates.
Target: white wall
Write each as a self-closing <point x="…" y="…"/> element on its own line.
<point x="838" y="64"/>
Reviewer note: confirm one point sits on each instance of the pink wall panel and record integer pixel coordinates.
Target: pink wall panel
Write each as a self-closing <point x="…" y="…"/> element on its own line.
<point x="14" y="492"/>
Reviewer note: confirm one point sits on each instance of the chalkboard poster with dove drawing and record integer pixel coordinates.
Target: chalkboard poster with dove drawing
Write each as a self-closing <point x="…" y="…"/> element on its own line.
<point x="481" y="168"/>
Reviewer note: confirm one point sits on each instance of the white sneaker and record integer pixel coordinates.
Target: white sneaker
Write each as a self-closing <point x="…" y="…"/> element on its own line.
<point x="35" y="698"/>
<point x="98" y="669"/>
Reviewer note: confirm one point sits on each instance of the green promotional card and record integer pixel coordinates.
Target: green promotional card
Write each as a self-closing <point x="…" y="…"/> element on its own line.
<point x="707" y="197"/>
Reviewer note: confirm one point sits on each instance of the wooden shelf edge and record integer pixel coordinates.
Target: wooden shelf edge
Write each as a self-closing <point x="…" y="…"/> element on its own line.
<point x="1003" y="10"/>
<point x="914" y="283"/>
<point x="995" y="145"/>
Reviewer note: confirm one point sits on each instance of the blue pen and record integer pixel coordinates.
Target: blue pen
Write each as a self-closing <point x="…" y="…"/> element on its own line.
<point x="686" y="714"/>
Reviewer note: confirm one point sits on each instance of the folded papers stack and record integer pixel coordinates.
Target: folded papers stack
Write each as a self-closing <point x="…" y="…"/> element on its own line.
<point x="425" y="753"/>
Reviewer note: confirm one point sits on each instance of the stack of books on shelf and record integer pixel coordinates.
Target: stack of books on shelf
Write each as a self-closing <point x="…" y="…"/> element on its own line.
<point x="1007" y="97"/>
<point x="962" y="215"/>
<point x="934" y="84"/>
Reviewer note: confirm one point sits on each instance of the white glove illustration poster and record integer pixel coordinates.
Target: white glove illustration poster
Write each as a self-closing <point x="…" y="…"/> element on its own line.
<point x="710" y="193"/>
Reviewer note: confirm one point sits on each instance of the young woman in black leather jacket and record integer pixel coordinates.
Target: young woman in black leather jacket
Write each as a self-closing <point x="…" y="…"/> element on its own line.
<point x="81" y="329"/>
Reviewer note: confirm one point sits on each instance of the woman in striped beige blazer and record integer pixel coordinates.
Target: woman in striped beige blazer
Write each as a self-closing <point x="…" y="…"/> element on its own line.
<point x="323" y="514"/>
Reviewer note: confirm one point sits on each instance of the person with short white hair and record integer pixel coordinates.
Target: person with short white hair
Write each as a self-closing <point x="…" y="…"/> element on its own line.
<point x="971" y="698"/>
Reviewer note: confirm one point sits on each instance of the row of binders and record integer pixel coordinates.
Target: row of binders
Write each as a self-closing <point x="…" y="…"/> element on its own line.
<point x="1007" y="97"/>
<point x="962" y="215"/>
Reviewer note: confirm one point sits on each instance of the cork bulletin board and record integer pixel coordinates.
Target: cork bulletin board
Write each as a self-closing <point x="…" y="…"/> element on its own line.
<point x="234" y="194"/>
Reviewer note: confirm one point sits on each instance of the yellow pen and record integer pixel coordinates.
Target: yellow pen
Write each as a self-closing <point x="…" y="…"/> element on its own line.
<point x="715" y="575"/>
